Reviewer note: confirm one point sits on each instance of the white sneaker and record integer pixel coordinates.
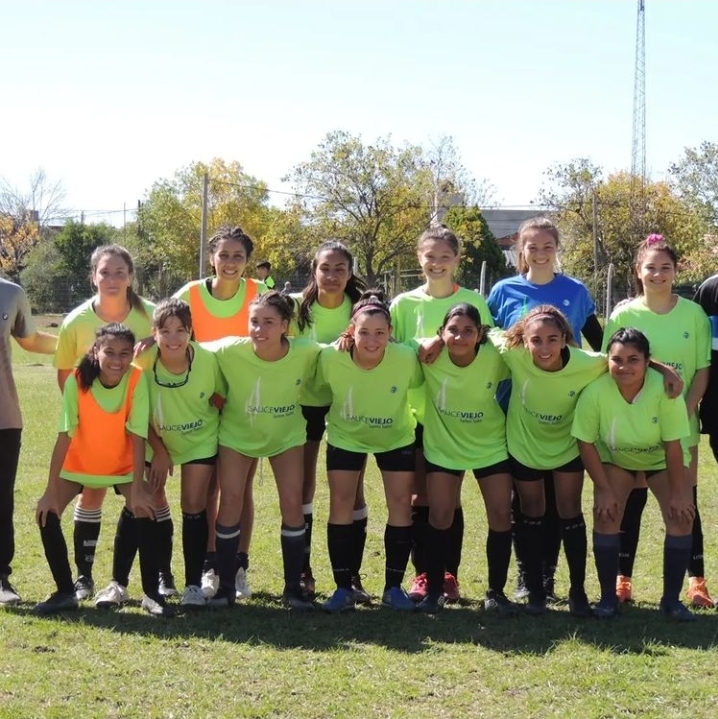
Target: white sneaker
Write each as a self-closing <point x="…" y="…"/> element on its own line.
<point x="241" y="587"/>
<point x="193" y="596"/>
<point x="8" y="595"/>
<point x="114" y="595"/>
<point x="210" y="583"/>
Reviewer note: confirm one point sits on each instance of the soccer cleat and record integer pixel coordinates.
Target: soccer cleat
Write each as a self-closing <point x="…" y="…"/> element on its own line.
<point x="307" y="582"/>
<point x="166" y="586"/>
<point x="697" y="593"/>
<point x="536" y="606"/>
<point x="522" y="591"/>
<point x="193" y="597"/>
<point x="419" y="588"/>
<point x="431" y="604"/>
<point x="156" y="606"/>
<point x="549" y="586"/>
<point x="677" y="611"/>
<point x="606" y="608"/>
<point x="578" y="605"/>
<point x="397" y="599"/>
<point x="451" y="589"/>
<point x="499" y="603"/>
<point x="242" y="589"/>
<point x="8" y="596"/>
<point x="57" y="602"/>
<point x="361" y="596"/>
<point x="297" y="600"/>
<point x="624" y="589"/>
<point x="224" y="598"/>
<point x="84" y="588"/>
<point x="113" y="596"/>
<point x="342" y="600"/>
<point x="210" y="583"/>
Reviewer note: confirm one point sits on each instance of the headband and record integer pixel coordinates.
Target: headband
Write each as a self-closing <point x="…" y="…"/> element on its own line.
<point x="373" y="303"/>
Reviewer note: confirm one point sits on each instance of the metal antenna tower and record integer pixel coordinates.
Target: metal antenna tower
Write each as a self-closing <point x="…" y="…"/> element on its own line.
<point x="638" y="155"/>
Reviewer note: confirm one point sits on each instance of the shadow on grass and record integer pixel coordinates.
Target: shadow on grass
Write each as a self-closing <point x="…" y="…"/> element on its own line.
<point x="639" y="629"/>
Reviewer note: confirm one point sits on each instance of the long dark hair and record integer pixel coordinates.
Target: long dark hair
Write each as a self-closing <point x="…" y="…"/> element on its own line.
<point x="89" y="368"/>
<point x="353" y="290"/>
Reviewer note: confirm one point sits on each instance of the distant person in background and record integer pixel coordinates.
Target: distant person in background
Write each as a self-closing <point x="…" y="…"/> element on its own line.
<point x="287" y="288"/>
<point x="263" y="274"/>
<point x="16" y="321"/>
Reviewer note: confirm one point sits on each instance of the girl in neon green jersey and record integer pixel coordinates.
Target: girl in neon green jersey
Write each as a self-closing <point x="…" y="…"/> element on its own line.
<point x="625" y="424"/>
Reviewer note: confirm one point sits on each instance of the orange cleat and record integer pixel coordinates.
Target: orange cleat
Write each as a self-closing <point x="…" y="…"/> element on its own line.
<point x="697" y="593"/>
<point x="624" y="589"/>
<point x="451" y="589"/>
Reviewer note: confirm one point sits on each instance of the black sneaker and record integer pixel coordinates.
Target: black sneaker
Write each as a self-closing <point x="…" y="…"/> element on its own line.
<point x="223" y="599"/>
<point x="677" y="611"/>
<point x="536" y="605"/>
<point x="522" y="591"/>
<point x="549" y="586"/>
<point x="499" y="603"/>
<point x="431" y="604"/>
<point x="166" y="586"/>
<point x="606" y="608"/>
<point x="361" y="596"/>
<point x="297" y="599"/>
<point x="84" y="588"/>
<point x="57" y="602"/>
<point x="578" y="605"/>
<point x="8" y="596"/>
<point x="156" y="606"/>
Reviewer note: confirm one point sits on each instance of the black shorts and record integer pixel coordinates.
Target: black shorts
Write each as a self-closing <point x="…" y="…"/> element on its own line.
<point x="419" y="436"/>
<point x="648" y="472"/>
<point x="502" y="467"/>
<point x="522" y="473"/>
<point x="206" y="461"/>
<point x="402" y="459"/>
<point x="315" y="418"/>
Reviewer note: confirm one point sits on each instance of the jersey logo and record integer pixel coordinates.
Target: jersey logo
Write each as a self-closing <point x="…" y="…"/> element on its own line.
<point x="572" y="393"/>
<point x="489" y="385"/>
<point x="201" y="395"/>
<point x="298" y="382"/>
<point x="566" y="303"/>
<point x="654" y="420"/>
<point x="686" y="335"/>
<point x="392" y="389"/>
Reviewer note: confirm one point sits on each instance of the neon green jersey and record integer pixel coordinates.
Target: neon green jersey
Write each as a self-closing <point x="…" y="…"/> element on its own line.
<point x="630" y="434"/>
<point x="542" y="404"/>
<point x="681" y="339"/>
<point x="111" y="400"/>
<point x="183" y="417"/>
<point x="327" y="325"/>
<point x="77" y="332"/>
<point x="464" y="426"/>
<point x="415" y="314"/>
<point x="262" y="417"/>
<point x="370" y="408"/>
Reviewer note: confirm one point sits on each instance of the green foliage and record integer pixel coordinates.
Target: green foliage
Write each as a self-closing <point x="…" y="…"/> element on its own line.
<point x="695" y="178"/>
<point x="43" y="280"/>
<point x="478" y="246"/>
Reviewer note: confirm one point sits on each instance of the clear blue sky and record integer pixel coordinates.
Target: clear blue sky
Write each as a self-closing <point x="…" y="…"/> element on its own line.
<point x="108" y="97"/>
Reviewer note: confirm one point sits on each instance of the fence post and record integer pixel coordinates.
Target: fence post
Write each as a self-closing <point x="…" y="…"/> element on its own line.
<point x="609" y="290"/>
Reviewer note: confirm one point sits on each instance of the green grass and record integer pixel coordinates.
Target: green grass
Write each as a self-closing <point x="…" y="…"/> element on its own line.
<point x="259" y="660"/>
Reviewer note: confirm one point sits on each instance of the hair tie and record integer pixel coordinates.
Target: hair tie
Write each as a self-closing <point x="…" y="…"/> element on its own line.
<point x="654" y="240"/>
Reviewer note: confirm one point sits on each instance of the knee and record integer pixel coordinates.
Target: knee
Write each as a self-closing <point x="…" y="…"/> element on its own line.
<point x="441" y="517"/>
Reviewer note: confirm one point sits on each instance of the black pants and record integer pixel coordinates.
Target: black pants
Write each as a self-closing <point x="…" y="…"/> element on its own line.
<point x="9" y="455"/>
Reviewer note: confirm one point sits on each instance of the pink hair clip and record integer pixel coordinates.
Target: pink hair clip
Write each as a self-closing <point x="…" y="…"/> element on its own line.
<point x="654" y="240"/>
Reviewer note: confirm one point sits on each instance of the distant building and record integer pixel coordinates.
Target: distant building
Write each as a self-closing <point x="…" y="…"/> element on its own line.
<point x="504" y="225"/>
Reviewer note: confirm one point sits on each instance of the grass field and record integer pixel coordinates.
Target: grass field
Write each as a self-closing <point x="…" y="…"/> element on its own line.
<point x="259" y="660"/>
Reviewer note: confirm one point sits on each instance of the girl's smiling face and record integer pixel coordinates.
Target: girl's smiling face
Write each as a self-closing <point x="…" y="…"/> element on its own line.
<point x="229" y="260"/>
<point x="657" y="271"/>
<point x="114" y="356"/>
<point x="545" y="341"/>
<point x="438" y="260"/>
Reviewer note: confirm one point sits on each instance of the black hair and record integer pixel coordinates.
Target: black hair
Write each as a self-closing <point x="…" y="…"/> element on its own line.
<point x="463" y="309"/>
<point x="235" y="233"/>
<point x="172" y="307"/>
<point x="283" y="305"/>
<point x="371" y="302"/>
<point x="88" y="370"/>
<point x="118" y="251"/>
<point x="353" y="290"/>
<point x="266" y="265"/>
<point x="630" y="336"/>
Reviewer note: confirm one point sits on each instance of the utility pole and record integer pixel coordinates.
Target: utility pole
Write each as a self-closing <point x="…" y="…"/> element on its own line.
<point x="203" y="233"/>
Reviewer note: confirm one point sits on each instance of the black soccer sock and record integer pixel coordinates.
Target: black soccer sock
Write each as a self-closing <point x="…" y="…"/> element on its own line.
<point x="696" y="566"/>
<point x="53" y="542"/>
<point x="575" y="546"/>
<point x="147" y="531"/>
<point x="86" y="532"/>
<point x="210" y="560"/>
<point x="498" y="555"/>
<point x="516" y="519"/>
<point x="456" y="543"/>
<point x="165" y="534"/>
<point x="676" y="555"/>
<point x="227" y="543"/>
<point x="359" y="525"/>
<point x="419" y="524"/>
<point x="125" y="547"/>
<point x="552" y="530"/>
<point x="631" y="529"/>
<point x="530" y="540"/>
<point x="292" y="541"/>
<point x="397" y="547"/>
<point x="242" y="562"/>
<point x="437" y="547"/>
<point x="605" y="553"/>
<point x="339" y="544"/>
<point x="195" y="531"/>
<point x="308" y="512"/>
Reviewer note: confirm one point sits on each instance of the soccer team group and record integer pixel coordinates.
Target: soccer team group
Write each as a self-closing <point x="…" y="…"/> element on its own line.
<point x="440" y="382"/>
